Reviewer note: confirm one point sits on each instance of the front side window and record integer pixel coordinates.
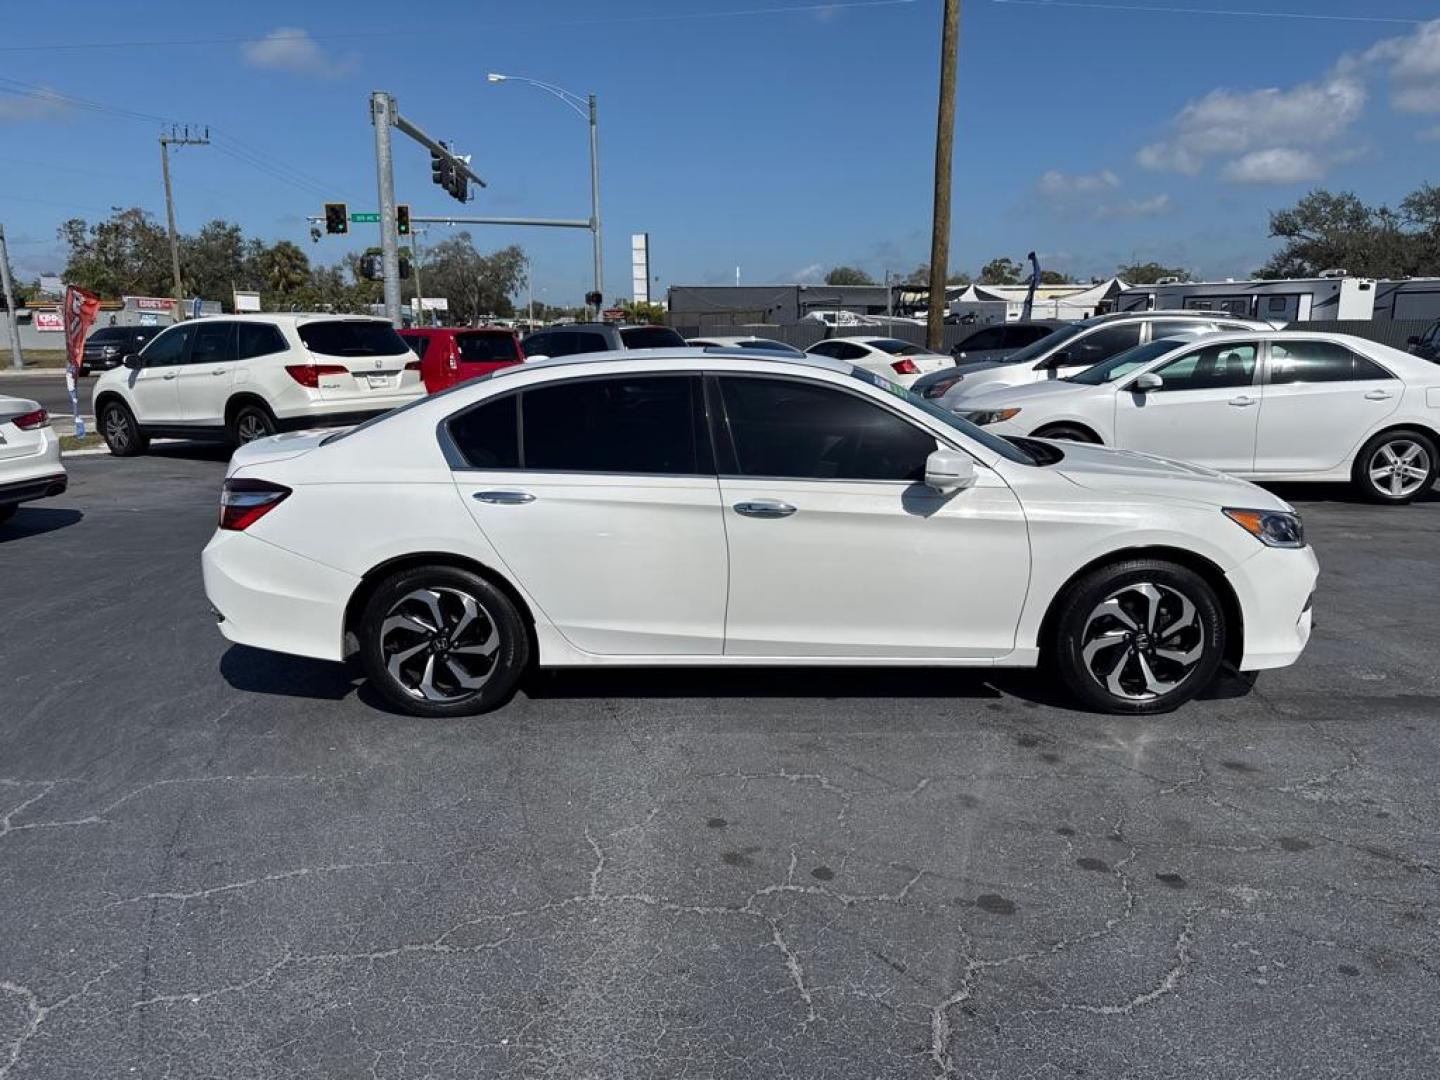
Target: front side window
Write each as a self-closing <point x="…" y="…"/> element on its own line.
<point x="214" y="343"/>
<point x="169" y="348"/>
<point x="1317" y="362"/>
<point x="1045" y="345"/>
<point x="804" y="431"/>
<point x="639" y="424"/>
<point x="352" y="337"/>
<point x="1210" y="368"/>
<point x="1122" y="364"/>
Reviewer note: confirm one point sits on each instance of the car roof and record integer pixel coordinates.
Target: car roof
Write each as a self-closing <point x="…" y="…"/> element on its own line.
<point x="1173" y="313"/>
<point x="1365" y="346"/>
<point x="441" y="330"/>
<point x="706" y="352"/>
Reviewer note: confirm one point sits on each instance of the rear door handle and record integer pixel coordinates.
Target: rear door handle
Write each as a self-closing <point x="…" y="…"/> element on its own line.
<point x="218" y="371"/>
<point x="1379" y="395"/>
<point x="764" y="508"/>
<point x="1242" y="401"/>
<point x="168" y="375"/>
<point x="504" y="498"/>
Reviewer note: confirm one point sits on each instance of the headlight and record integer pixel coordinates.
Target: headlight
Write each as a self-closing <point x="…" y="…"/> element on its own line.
<point x="1273" y="528"/>
<point x="990" y="416"/>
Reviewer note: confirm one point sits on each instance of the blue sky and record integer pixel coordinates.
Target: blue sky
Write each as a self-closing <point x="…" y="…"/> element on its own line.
<point x="780" y="136"/>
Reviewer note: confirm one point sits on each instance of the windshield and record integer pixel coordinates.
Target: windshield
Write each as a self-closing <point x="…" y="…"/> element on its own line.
<point x="352" y="337"/>
<point x="1003" y="447"/>
<point x="1037" y="349"/>
<point x="1122" y="364"/>
<point x="896" y="347"/>
<point x="650" y="337"/>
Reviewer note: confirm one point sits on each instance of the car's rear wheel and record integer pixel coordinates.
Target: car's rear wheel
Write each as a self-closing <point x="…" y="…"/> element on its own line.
<point x="1137" y="637"/>
<point x="1396" y="466"/>
<point x="442" y="641"/>
<point x="120" y="431"/>
<point x="1068" y="432"/>
<point x="250" y="422"/>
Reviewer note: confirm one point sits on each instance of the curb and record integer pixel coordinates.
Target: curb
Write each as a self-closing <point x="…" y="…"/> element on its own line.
<point x="30" y="373"/>
<point x="84" y="453"/>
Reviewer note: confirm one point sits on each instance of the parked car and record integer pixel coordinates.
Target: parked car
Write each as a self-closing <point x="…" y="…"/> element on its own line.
<point x="244" y="377"/>
<point x="753" y="344"/>
<point x="106" y="347"/>
<point x="690" y="507"/>
<point x="1282" y="405"/>
<point x="899" y="361"/>
<point x="1079" y="345"/>
<point x="575" y="338"/>
<point x="450" y="355"/>
<point x="985" y="344"/>
<point x="30" y="466"/>
<point x="1427" y="345"/>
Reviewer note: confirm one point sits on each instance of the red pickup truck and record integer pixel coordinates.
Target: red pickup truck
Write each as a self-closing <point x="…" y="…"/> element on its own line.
<point x="452" y="354"/>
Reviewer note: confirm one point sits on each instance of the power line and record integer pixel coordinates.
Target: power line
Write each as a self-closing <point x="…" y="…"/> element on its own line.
<point x="1097" y="5"/>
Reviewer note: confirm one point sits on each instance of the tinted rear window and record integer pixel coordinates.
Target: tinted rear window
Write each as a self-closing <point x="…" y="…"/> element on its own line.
<point x="480" y="347"/>
<point x="895" y="347"/>
<point x="650" y="337"/>
<point x="342" y="337"/>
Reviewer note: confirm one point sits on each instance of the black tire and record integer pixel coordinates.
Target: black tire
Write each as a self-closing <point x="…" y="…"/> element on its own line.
<point x="249" y="422"/>
<point x="495" y="623"/>
<point x="8" y="511"/>
<point x="1377" y="470"/>
<point x="1177" y="648"/>
<point x="1068" y="432"/>
<point x="120" y="431"/>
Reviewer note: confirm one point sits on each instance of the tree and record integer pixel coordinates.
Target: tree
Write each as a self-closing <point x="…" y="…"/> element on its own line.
<point x="125" y="255"/>
<point x="848" y="275"/>
<point x="1001" y="271"/>
<point x="212" y="263"/>
<point x="1327" y="230"/>
<point x="474" y="284"/>
<point x="921" y="276"/>
<point x="654" y="314"/>
<point x="1055" y="277"/>
<point x="281" y="271"/>
<point x="1148" y="273"/>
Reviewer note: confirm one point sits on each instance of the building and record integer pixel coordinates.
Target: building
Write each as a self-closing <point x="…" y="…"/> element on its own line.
<point x="705" y="308"/>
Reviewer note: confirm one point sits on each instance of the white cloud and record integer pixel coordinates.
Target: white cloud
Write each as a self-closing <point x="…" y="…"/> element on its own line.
<point x="1241" y="125"/>
<point x="809" y="275"/>
<point x="1055" y="182"/>
<point x="1154" y="206"/>
<point x="41" y="104"/>
<point x="290" y="48"/>
<point x="1279" y="165"/>
<point x="1413" y="66"/>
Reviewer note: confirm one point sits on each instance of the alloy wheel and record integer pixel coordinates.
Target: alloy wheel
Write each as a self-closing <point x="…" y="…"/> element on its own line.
<point x="1399" y="468"/>
<point x="117" y="428"/>
<point x="250" y="427"/>
<point x="1142" y="641"/>
<point x="439" y="644"/>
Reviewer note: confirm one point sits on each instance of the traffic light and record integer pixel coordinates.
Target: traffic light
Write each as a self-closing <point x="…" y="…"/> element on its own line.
<point x="593" y="299"/>
<point x="442" y="168"/>
<point x="402" y="219"/>
<point x="337" y="219"/>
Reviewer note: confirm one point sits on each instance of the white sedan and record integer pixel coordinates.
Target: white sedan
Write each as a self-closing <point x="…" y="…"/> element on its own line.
<point x="899" y="361"/>
<point x="1282" y="405"/>
<point x="692" y="508"/>
<point x="29" y="455"/>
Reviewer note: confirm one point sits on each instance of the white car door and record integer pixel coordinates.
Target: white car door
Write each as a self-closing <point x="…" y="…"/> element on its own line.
<point x="1206" y="411"/>
<point x="154" y="389"/>
<point x="609" y="515"/>
<point x="836" y="547"/>
<point x="1321" y="399"/>
<point x="205" y="377"/>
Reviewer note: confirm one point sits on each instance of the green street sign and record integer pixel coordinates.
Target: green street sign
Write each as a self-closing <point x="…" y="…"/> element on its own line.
<point x="361" y="219"/>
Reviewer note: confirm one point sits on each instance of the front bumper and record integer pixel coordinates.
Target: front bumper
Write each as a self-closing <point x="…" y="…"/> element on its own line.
<point x="270" y="598"/>
<point x="1274" y="588"/>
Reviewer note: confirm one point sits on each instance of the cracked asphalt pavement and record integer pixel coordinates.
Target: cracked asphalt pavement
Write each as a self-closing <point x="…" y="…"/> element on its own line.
<point x="221" y="862"/>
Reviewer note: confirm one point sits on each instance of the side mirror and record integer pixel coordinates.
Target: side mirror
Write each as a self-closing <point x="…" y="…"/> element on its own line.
<point x="1146" y="382"/>
<point x="535" y="356"/>
<point x="132" y="361"/>
<point x="948" y="471"/>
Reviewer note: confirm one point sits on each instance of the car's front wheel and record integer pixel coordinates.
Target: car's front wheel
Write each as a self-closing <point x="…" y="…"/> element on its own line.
<point x="442" y="641"/>
<point x="1142" y="636"/>
<point x="120" y="431"/>
<point x="1395" y="467"/>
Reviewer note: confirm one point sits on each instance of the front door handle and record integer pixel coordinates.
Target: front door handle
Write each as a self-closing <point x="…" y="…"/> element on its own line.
<point x="1378" y="395"/>
<point x="218" y="371"/>
<point x="168" y="375"/>
<point x="504" y="498"/>
<point x="764" y="508"/>
<point x="1242" y="401"/>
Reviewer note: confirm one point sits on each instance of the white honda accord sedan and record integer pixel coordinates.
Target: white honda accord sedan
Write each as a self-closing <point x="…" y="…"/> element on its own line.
<point x="693" y="508"/>
<point x="1280" y="405"/>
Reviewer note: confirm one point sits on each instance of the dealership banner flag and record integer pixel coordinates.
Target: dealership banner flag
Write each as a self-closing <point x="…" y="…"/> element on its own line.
<point x="79" y="311"/>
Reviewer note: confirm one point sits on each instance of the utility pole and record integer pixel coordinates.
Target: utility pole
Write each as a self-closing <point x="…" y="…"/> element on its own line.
<point x="595" y="203"/>
<point x="16" y="359"/>
<point x="382" y="110"/>
<point x="419" y="309"/>
<point x="944" y="151"/>
<point x="176" y="138"/>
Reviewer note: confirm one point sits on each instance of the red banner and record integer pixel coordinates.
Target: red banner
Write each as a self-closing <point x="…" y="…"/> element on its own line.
<point x="79" y="310"/>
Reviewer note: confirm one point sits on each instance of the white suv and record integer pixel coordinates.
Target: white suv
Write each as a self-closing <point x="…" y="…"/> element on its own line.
<point x="244" y="377"/>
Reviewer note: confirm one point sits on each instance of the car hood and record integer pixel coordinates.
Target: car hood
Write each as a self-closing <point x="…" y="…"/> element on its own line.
<point x="1126" y="472"/>
<point x="992" y="396"/>
<point x="267" y="451"/>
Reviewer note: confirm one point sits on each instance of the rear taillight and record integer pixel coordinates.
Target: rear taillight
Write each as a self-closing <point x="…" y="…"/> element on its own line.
<point x="413" y="365"/>
<point x="905" y="366"/>
<point x="244" y="502"/>
<point x="309" y="374"/>
<point x="32" y="421"/>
